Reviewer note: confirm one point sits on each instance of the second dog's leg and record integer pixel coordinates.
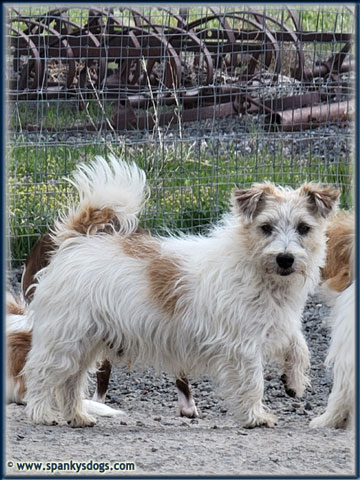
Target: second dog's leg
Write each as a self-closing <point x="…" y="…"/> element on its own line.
<point x="338" y="414"/>
<point x="187" y="407"/>
<point x="296" y="361"/>
<point x="340" y="410"/>
<point x="103" y="378"/>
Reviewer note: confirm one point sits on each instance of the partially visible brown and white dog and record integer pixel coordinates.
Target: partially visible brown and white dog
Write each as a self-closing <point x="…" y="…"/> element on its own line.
<point x="18" y="344"/>
<point x="338" y="290"/>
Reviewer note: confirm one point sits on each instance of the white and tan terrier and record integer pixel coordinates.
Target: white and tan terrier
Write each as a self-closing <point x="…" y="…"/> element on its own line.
<point x="218" y="305"/>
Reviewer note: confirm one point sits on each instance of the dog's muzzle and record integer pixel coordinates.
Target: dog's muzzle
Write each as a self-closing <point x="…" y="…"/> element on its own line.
<point x="285" y="262"/>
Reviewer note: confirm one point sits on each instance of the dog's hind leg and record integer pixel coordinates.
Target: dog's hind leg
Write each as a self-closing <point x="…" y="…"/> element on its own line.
<point x="55" y="375"/>
<point x="40" y="406"/>
<point x="70" y="398"/>
<point x="186" y="404"/>
<point x="40" y="400"/>
<point x="338" y="414"/>
<point x="340" y="410"/>
<point x="102" y="377"/>
<point x="71" y="392"/>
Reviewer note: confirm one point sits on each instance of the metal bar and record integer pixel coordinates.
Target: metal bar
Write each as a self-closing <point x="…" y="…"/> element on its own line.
<point x="312" y="117"/>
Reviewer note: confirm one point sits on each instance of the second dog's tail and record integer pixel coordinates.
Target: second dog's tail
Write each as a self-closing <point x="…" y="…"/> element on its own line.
<point x="113" y="191"/>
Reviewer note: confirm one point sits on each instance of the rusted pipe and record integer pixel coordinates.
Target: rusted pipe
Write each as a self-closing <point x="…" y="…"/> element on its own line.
<point x="312" y="117"/>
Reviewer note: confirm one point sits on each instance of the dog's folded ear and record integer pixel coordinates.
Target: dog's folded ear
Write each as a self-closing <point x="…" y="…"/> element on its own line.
<point x="249" y="201"/>
<point x="322" y="200"/>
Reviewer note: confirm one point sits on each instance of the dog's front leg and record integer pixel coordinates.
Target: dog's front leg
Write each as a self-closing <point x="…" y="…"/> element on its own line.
<point x="242" y="385"/>
<point x="296" y="361"/>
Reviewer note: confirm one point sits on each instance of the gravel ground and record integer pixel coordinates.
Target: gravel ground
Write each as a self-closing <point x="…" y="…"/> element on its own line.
<point x="158" y="442"/>
<point x="245" y="135"/>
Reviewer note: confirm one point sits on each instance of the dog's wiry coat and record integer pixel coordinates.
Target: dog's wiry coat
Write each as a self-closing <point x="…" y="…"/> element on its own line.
<point x="219" y="305"/>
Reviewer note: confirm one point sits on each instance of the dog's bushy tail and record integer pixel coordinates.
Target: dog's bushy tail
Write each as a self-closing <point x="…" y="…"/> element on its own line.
<point x="113" y="191"/>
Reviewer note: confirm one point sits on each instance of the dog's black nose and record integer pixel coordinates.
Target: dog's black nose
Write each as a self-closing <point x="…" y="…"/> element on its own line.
<point x="285" y="260"/>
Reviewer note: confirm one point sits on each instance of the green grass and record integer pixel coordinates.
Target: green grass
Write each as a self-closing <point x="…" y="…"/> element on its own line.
<point x="55" y="115"/>
<point x="190" y="187"/>
<point x="313" y="17"/>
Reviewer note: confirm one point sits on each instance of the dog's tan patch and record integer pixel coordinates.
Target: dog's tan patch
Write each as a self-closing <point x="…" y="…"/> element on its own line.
<point x="165" y="282"/>
<point x="141" y="246"/>
<point x="18" y="345"/>
<point x="341" y="238"/>
<point x="14" y="309"/>
<point x="89" y="220"/>
<point x="164" y="274"/>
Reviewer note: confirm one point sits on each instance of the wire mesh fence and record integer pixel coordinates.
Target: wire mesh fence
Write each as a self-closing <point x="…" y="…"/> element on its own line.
<point x="202" y="98"/>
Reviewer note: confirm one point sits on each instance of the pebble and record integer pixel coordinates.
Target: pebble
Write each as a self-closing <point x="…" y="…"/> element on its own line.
<point x="274" y="459"/>
<point x="184" y="424"/>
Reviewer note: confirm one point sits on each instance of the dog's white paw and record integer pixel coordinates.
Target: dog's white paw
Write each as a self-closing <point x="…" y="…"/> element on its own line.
<point x="264" y="420"/>
<point x="318" y="422"/>
<point x="82" y="420"/>
<point x="295" y="389"/>
<point x="187" y="407"/>
<point x="328" y="421"/>
<point x="41" y="414"/>
<point x="189" y="411"/>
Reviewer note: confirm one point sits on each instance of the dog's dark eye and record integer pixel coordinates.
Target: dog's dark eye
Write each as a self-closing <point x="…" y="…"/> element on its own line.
<point x="303" y="228"/>
<point x="267" y="228"/>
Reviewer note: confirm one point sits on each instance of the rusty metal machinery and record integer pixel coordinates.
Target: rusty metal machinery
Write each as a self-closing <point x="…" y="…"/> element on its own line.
<point x="191" y="69"/>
